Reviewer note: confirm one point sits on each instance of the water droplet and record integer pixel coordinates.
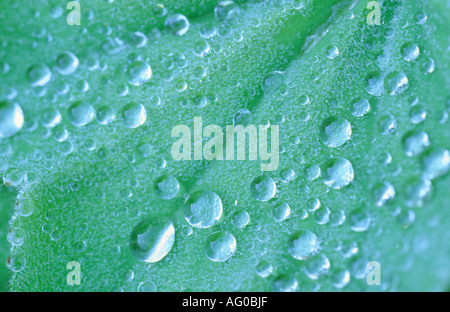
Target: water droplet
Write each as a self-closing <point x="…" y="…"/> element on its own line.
<point x="39" y="75"/>
<point x="263" y="188"/>
<point x="80" y="246"/>
<point x="51" y="117"/>
<point x="26" y="207"/>
<point x="105" y="115"/>
<point x="178" y="24"/>
<point x="374" y="84"/>
<point x="360" y="107"/>
<point x="304" y="100"/>
<point x="410" y="52"/>
<point x="417" y="191"/>
<point x="220" y="246"/>
<point x="406" y="218"/>
<point x="13" y="177"/>
<point x="338" y="218"/>
<point x="167" y="187"/>
<point x="387" y="124"/>
<point x="313" y="172"/>
<point x="421" y="18"/>
<point x="322" y="215"/>
<point x="11" y="119"/>
<point x="281" y="212"/>
<point x="134" y="115"/>
<point x="313" y="204"/>
<point x="341" y="279"/>
<point x="415" y="143"/>
<point x="335" y="131"/>
<point x="384" y="193"/>
<point x="139" y="73"/>
<point x="417" y="114"/>
<point x="81" y="113"/>
<point x="138" y="39"/>
<point x="16" y="263"/>
<point x="147" y="286"/>
<point x="16" y="236"/>
<point x="287" y="175"/>
<point x="360" y="221"/>
<point x="242" y="117"/>
<point x="303" y="244"/>
<point x="241" y="219"/>
<point x="202" y="48"/>
<point x="338" y="173"/>
<point x="226" y="11"/>
<point x="274" y="81"/>
<point x="67" y="63"/>
<point x="332" y="52"/>
<point x="285" y="284"/>
<point x="436" y="163"/>
<point x="396" y="83"/>
<point x="317" y="266"/>
<point x="264" y="269"/>
<point x="151" y="240"/>
<point x="429" y="66"/>
<point x="203" y="209"/>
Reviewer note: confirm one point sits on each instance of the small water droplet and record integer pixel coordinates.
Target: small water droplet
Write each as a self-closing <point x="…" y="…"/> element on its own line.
<point x="81" y="113"/>
<point x="415" y="143"/>
<point x="226" y="11"/>
<point x="67" y="63"/>
<point x="11" y="119"/>
<point x="134" y="115"/>
<point x="303" y="244"/>
<point x="220" y="246"/>
<point x="203" y="209"/>
<point x="167" y="187"/>
<point x="178" y="24"/>
<point x="338" y="173"/>
<point x="151" y="240"/>
<point x="263" y="188"/>
<point x="335" y="131"/>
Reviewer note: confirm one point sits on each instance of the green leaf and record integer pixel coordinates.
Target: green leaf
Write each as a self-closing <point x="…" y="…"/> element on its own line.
<point x="363" y="131"/>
